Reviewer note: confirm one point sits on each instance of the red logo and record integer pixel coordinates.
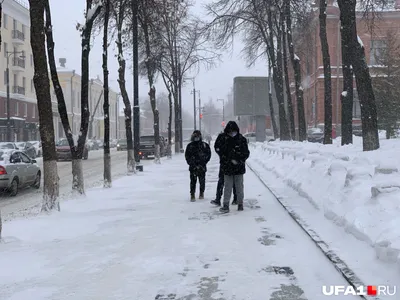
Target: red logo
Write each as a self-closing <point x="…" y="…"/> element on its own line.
<point x="371" y="290"/>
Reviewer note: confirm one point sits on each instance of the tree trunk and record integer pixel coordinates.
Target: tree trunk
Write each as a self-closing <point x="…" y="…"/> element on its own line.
<point x="363" y="78"/>
<point x="326" y="59"/>
<point x="347" y="95"/>
<point x="271" y="104"/>
<point x="176" y="117"/>
<point x="287" y="81"/>
<point x="131" y="165"/>
<point x="170" y="125"/>
<point x="278" y="80"/>
<point x="42" y="87"/>
<point x="297" y="76"/>
<point x="106" y="104"/>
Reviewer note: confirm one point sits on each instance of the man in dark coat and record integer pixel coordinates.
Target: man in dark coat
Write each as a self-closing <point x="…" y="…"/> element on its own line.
<point x="197" y="154"/>
<point x="220" y="186"/>
<point x="234" y="153"/>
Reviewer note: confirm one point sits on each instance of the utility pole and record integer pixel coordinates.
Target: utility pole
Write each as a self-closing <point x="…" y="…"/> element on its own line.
<point x="194" y="104"/>
<point x="136" y="109"/>
<point x="199" y="111"/>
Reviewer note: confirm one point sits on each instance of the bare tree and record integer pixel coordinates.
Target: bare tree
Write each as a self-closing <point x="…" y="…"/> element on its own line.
<point x="363" y="77"/>
<point x="76" y="149"/>
<point x="42" y="87"/>
<point x="326" y="59"/>
<point x="120" y="13"/>
<point x="106" y="104"/>
<point x="146" y="21"/>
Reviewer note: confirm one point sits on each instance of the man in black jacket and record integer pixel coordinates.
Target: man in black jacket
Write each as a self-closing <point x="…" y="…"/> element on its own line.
<point x="234" y="153"/>
<point x="197" y="154"/>
<point x="220" y="186"/>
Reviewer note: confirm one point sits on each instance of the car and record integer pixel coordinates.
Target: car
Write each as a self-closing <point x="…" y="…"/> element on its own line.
<point x="122" y="145"/>
<point x="8" y="145"/>
<point x="63" y="150"/>
<point x="93" y="145"/>
<point x="38" y="147"/>
<point x="28" y="148"/>
<point x="315" y="135"/>
<point x="18" y="170"/>
<point x="357" y="129"/>
<point x="148" y="147"/>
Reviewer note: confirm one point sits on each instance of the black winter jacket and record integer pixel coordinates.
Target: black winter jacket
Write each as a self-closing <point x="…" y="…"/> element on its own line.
<point x="233" y="151"/>
<point x="197" y="155"/>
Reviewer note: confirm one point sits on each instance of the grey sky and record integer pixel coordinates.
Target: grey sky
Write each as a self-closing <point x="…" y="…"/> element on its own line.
<point x="215" y="83"/>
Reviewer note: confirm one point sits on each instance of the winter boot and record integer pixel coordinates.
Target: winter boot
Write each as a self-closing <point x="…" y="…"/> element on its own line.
<point x="224" y="209"/>
<point x="216" y="202"/>
<point x="201" y="196"/>
<point x="240" y="207"/>
<point x="192" y="198"/>
<point x="234" y="202"/>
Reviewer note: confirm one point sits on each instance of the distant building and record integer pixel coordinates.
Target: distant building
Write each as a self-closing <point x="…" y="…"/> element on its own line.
<point x="70" y="82"/>
<point x="308" y="48"/>
<point x="16" y="50"/>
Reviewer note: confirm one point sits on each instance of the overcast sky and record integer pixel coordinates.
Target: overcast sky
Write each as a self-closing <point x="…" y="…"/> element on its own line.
<point x="214" y="84"/>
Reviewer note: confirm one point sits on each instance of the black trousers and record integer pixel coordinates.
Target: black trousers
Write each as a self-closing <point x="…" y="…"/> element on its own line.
<point x="193" y="180"/>
<point x="220" y="186"/>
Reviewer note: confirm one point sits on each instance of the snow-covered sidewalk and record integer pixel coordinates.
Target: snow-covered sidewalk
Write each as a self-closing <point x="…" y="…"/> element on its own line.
<point x="143" y="240"/>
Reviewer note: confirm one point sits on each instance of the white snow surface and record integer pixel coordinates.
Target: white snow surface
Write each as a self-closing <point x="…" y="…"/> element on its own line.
<point x="359" y="191"/>
<point x="143" y="238"/>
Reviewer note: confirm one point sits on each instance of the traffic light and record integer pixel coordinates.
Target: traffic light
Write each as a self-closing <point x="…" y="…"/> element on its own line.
<point x="223" y="123"/>
<point x="201" y="116"/>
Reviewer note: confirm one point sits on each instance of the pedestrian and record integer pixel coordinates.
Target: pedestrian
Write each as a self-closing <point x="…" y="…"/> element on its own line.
<point x="197" y="154"/>
<point x="220" y="186"/>
<point x="234" y="153"/>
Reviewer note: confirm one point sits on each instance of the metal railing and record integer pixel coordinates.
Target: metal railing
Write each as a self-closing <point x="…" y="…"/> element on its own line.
<point x="19" y="35"/>
<point x="18" y="62"/>
<point x="18" y="90"/>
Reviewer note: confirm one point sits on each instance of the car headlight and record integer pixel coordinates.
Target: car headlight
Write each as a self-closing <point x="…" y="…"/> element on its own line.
<point x="117" y="145"/>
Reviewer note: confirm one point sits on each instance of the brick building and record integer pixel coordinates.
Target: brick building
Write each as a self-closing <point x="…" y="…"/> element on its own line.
<point x="308" y="48"/>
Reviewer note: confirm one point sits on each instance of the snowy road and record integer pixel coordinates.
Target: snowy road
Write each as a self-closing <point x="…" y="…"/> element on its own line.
<point x="143" y="239"/>
<point x="93" y="173"/>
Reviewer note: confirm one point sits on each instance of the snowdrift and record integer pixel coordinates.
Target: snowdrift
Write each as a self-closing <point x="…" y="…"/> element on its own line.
<point x="357" y="190"/>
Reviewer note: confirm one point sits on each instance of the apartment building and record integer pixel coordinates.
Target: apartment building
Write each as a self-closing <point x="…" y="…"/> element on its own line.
<point x="308" y="48"/>
<point x="70" y="82"/>
<point x="16" y="56"/>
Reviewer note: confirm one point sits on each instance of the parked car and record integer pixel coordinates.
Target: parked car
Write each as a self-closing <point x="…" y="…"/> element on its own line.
<point x="64" y="151"/>
<point x="93" y="145"/>
<point x="269" y="133"/>
<point x="38" y="147"/>
<point x="357" y="129"/>
<point x="18" y="171"/>
<point x="100" y="142"/>
<point x="315" y="135"/>
<point x="148" y="146"/>
<point x="28" y="148"/>
<point x="122" y="145"/>
<point x="8" y="145"/>
<point x="113" y="143"/>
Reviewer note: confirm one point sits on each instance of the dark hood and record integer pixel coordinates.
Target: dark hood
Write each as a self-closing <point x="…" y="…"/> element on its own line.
<point x="231" y="126"/>
<point x="196" y="133"/>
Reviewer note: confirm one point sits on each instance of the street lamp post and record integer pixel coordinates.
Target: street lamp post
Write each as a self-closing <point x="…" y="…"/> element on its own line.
<point x="117" y="115"/>
<point x="9" y="53"/>
<point x="223" y="109"/>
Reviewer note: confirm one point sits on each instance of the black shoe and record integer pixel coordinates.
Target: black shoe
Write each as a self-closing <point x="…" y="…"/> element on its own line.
<point x="224" y="209"/>
<point x="234" y="202"/>
<point x="240" y="207"/>
<point x="216" y="202"/>
<point x="192" y="198"/>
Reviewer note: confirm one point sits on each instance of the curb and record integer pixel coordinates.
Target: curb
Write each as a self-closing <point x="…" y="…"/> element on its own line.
<point x="338" y="263"/>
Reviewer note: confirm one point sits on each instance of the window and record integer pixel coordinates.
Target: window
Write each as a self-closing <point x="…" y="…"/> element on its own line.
<point x="356" y="105"/>
<point x="5" y="107"/>
<point x="15" y="24"/>
<point x="23" y="83"/>
<point x="31" y="60"/>
<point x="5" y="49"/>
<point x="16" y="109"/>
<point x="376" y="52"/>
<point x="23" y="30"/>
<point x="15" y="80"/>
<point x="33" y="112"/>
<point x="5" y="21"/>
<point x="32" y="86"/>
<point x="25" y="158"/>
<point x="25" y="109"/>
<point x="5" y="77"/>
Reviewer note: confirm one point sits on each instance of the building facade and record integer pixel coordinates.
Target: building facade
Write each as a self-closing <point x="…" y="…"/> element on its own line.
<point x="70" y="82"/>
<point x="16" y="62"/>
<point x="308" y="48"/>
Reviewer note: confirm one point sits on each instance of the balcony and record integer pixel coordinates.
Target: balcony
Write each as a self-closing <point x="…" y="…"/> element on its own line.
<point x="18" y="64"/>
<point x="18" y="90"/>
<point x="18" y="37"/>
